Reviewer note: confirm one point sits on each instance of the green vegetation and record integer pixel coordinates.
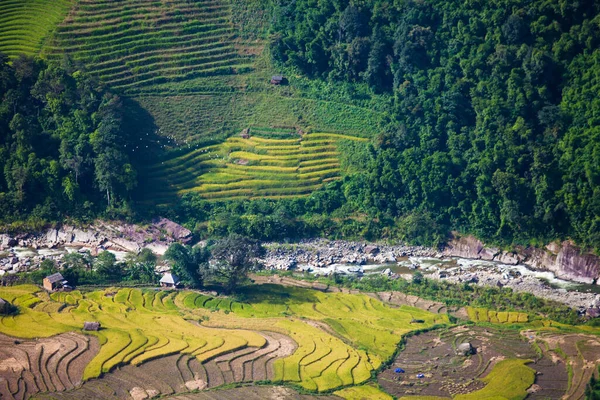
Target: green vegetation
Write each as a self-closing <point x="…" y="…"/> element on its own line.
<point x="134" y="44"/>
<point x="25" y="24"/>
<point x="363" y="392"/>
<point x="283" y="165"/>
<point x="493" y="128"/>
<point x="481" y="118"/>
<point x="63" y="144"/>
<point x="327" y="356"/>
<point x="592" y="389"/>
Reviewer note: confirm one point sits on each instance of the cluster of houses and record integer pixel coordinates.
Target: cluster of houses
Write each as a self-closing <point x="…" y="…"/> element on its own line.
<point x="56" y="282"/>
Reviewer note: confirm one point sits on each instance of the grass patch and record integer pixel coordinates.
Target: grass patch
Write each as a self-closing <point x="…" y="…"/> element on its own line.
<point x="363" y="392"/>
<point x="509" y="379"/>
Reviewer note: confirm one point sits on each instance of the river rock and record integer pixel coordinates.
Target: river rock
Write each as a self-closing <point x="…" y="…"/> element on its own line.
<point x="6" y="241"/>
<point x="126" y="245"/>
<point x="564" y="259"/>
<point x="508" y="258"/>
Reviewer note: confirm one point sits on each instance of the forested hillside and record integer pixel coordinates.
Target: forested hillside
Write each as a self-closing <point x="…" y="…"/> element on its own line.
<point x="63" y="148"/>
<point x="494" y="125"/>
<point x="475" y="116"/>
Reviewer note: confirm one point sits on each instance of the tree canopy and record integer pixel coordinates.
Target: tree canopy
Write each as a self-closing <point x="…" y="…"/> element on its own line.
<point x="493" y="127"/>
<point x="63" y="149"/>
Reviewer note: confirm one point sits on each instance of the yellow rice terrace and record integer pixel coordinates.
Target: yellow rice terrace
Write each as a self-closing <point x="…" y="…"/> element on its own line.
<point x="318" y="341"/>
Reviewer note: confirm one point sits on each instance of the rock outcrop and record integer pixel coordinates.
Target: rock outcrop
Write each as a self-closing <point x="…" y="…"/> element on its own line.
<point x="316" y="253"/>
<point x="117" y="236"/>
<point x="564" y="259"/>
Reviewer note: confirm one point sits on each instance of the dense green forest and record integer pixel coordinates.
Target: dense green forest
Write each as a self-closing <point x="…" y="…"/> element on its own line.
<point x="494" y="127"/>
<point x="489" y="113"/>
<point x="63" y="149"/>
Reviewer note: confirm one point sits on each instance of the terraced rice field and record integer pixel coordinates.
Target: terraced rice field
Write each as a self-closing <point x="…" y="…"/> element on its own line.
<point x="258" y="166"/>
<point x="180" y="373"/>
<point x="25" y="24"/>
<point x="129" y="44"/>
<point x="496" y="317"/>
<point x="319" y="341"/>
<point x="49" y="364"/>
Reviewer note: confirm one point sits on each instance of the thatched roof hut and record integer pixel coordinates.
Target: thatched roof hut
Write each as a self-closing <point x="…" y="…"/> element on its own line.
<point x="91" y="326"/>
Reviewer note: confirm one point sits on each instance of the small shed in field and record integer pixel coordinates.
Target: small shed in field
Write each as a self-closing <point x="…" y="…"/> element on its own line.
<point x="91" y="326"/>
<point x="4" y="306"/>
<point x="54" y="281"/>
<point x="277" y="79"/>
<point x="170" y="280"/>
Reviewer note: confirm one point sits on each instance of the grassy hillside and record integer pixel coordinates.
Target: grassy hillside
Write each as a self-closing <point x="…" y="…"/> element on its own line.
<point x="270" y="163"/>
<point x="201" y="71"/>
<point x="25" y="24"/>
<point x="135" y="43"/>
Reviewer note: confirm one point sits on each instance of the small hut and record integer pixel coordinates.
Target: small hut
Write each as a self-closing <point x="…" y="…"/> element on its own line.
<point x="91" y="326"/>
<point x="277" y="80"/>
<point x="5" y="306"/>
<point x="54" y="282"/>
<point x="169" y="280"/>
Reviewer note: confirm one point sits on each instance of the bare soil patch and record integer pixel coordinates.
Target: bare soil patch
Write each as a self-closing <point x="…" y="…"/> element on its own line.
<point x="252" y="393"/>
<point x="445" y="373"/>
<point x="182" y="373"/>
<point x="28" y="367"/>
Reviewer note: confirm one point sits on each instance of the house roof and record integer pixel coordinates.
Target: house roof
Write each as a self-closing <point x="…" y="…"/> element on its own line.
<point x="2" y="302"/>
<point x="57" y="277"/>
<point x="277" y="77"/>
<point x="169" y="278"/>
<point x="91" y="326"/>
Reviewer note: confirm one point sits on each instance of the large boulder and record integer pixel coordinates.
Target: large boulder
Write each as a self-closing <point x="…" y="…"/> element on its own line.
<point x="464" y="349"/>
<point x="173" y="229"/>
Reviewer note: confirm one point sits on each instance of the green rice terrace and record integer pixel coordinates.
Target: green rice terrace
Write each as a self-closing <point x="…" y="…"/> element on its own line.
<point x="138" y="43"/>
<point x="282" y="164"/>
<point x="25" y="25"/>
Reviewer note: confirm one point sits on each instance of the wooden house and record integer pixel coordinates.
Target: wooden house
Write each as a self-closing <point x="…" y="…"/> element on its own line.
<point x="54" y="282"/>
<point x="170" y="280"/>
<point x="277" y="80"/>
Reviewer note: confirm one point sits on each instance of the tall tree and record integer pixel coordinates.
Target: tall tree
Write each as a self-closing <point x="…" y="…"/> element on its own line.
<point x="233" y="258"/>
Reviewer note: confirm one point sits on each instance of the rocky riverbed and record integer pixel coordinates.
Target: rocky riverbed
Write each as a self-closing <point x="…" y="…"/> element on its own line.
<point x="24" y="252"/>
<point x="523" y="269"/>
<point x="322" y="256"/>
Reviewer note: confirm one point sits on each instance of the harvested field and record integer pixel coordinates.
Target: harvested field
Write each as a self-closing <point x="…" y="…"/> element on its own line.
<point x="252" y="393"/>
<point x="51" y="364"/>
<point x="577" y="353"/>
<point x="180" y="373"/>
<point x="447" y="374"/>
